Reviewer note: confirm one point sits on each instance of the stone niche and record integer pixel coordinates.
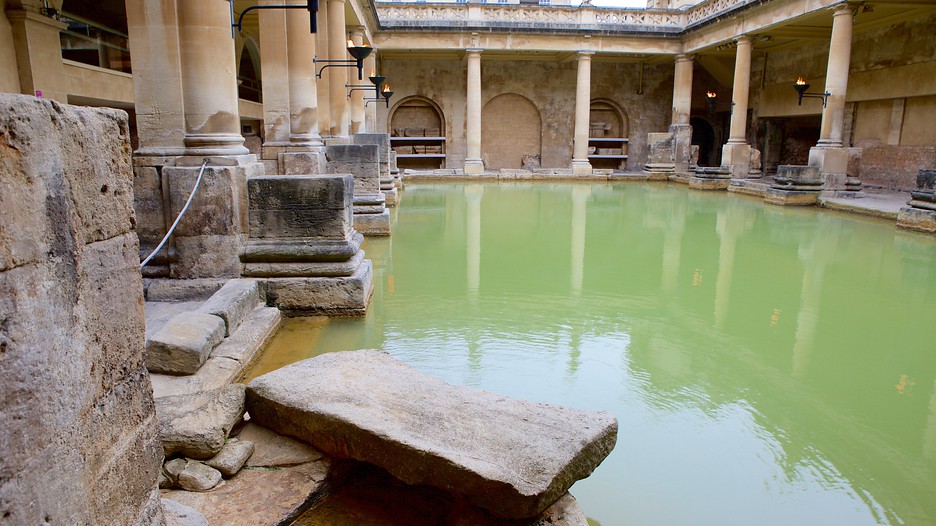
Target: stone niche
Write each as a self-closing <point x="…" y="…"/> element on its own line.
<point x="79" y="439"/>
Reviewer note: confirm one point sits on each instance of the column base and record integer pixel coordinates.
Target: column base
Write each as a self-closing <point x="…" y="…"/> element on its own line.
<point x="659" y="171"/>
<point x="581" y="167"/>
<point x="737" y="158"/>
<point x="710" y="178"/>
<point x="342" y="296"/>
<point x="224" y="144"/>
<point x="474" y="167"/>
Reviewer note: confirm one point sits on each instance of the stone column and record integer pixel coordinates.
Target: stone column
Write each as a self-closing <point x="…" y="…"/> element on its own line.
<point x="682" y="89"/>
<point x="321" y="42"/>
<point x="830" y="154"/>
<point x="209" y="80"/>
<point x="736" y="154"/>
<point x="157" y="77"/>
<point x="275" y="80"/>
<point x="580" y="164"/>
<point x="157" y="87"/>
<point x="337" y="50"/>
<point x="357" y="97"/>
<point x="370" y="110"/>
<point x="303" y="97"/>
<point x="473" y="163"/>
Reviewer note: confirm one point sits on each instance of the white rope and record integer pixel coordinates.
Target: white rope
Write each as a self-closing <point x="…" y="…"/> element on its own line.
<point x="179" y="217"/>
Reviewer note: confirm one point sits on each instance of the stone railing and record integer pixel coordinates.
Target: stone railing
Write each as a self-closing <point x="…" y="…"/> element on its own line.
<point x="393" y="14"/>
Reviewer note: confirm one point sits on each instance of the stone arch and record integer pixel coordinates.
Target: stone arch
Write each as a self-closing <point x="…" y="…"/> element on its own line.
<point x="608" y="113"/>
<point x="416" y="114"/>
<point x="511" y="130"/>
<point x="248" y="71"/>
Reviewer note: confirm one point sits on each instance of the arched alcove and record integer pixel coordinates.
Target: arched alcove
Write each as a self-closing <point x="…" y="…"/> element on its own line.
<point x="511" y="133"/>
<point x="417" y="133"/>
<point x="248" y="72"/>
<point x="608" y="135"/>
<point x="703" y="135"/>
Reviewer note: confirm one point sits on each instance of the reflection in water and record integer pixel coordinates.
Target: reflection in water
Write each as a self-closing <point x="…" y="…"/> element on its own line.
<point x="753" y="355"/>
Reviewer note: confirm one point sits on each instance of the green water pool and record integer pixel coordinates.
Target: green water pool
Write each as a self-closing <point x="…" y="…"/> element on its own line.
<point x="767" y="365"/>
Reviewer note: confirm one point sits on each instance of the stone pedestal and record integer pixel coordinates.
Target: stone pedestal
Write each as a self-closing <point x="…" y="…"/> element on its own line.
<point x="795" y="185"/>
<point x="382" y="140"/>
<point x="832" y="164"/>
<point x="920" y="214"/>
<point x="211" y="235"/>
<point x="710" y="178"/>
<point x="660" y="156"/>
<point x="736" y="158"/>
<point x="303" y="243"/>
<point x="371" y="216"/>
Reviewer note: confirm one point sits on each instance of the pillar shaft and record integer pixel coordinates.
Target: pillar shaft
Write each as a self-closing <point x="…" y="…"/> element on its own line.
<point x="157" y="77"/>
<point x="682" y="89"/>
<point x="580" y="162"/>
<point x="209" y="79"/>
<point x="274" y="76"/>
<point x="370" y="110"/>
<point x="357" y="97"/>
<point x="303" y="97"/>
<point x="739" y="92"/>
<point x="473" y="162"/>
<point x="321" y="41"/>
<point x="337" y="77"/>
<point x="833" y="115"/>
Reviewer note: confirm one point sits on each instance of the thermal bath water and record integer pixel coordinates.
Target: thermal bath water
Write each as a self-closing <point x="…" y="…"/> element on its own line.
<point x="767" y="365"/>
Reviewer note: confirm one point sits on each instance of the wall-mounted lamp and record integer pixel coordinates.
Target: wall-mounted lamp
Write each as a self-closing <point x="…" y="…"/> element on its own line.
<point x="800" y="86"/>
<point x="376" y="82"/>
<point x="712" y="98"/>
<point x="384" y="89"/>
<point x="311" y="6"/>
<point x="358" y="52"/>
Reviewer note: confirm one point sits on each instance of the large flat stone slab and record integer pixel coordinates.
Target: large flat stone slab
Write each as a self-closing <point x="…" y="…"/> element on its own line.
<point x="511" y="457"/>
<point x="183" y="343"/>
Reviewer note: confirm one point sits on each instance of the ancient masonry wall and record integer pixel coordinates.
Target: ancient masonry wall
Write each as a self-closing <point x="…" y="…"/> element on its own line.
<point x="79" y="441"/>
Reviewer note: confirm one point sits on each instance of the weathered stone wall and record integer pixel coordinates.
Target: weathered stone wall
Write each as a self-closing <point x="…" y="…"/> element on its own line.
<point x="549" y="86"/>
<point x="9" y="82"/>
<point x="79" y="443"/>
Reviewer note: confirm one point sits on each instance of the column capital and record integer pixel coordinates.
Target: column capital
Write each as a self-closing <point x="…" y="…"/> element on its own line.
<point x="743" y="39"/>
<point x="585" y="54"/>
<point x="357" y="31"/>
<point x="844" y="8"/>
<point x="685" y="57"/>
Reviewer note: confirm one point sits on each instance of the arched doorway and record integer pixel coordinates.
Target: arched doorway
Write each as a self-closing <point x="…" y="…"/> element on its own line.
<point x="417" y="133"/>
<point x="511" y="133"/>
<point x="248" y="72"/>
<point x="703" y="135"/>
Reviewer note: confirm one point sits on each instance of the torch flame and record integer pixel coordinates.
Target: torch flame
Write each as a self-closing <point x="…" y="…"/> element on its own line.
<point x="350" y="43"/>
<point x="386" y="87"/>
<point x="372" y="72"/>
<point x="800" y="81"/>
<point x="711" y="94"/>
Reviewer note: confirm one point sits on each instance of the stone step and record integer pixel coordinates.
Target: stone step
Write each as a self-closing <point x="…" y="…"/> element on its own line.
<point x="233" y="303"/>
<point x="511" y="457"/>
<point x="183" y="343"/>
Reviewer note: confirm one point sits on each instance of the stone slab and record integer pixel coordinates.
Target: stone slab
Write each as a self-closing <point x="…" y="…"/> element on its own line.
<point x="309" y="269"/>
<point x="233" y="303"/>
<point x="215" y="373"/>
<point x="277" y="192"/>
<point x="197" y="425"/>
<point x="183" y="343"/>
<point x="917" y="219"/>
<point x="511" y="457"/>
<point x="709" y="183"/>
<point x="244" y="345"/>
<point x="776" y="196"/>
<point x="258" y="497"/>
<point x="275" y="450"/>
<point x="181" y="289"/>
<point x="305" y="250"/>
<point x="180" y="515"/>
<point x="346" y="296"/>
<point x="232" y="457"/>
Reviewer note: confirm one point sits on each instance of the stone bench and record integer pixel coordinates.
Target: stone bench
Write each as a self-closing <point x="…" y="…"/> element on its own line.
<point x="511" y="457"/>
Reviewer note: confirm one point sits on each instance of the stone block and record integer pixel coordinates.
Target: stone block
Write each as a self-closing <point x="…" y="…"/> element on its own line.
<point x="278" y="192"/>
<point x="511" y="457"/>
<point x="926" y="181"/>
<point x="777" y="196"/>
<point x="661" y="148"/>
<point x="232" y="457"/>
<point x="352" y="154"/>
<point x="302" y="163"/>
<point x="305" y="268"/>
<point x="218" y="208"/>
<point x="339" y="296"/>
<point x="373" y="224"/>
<point x="245" y="344"/>
<point x="829" y="160"/>
<point x="709" y="183"/>
<point x="197" y="425"/>
<point x="325" y="223"/>
<point x="181" y="289"/>
<point x="197" y="257"/>
<point x="233" y="303"/>
<point x="183" y="344"/>
<point x="391" y="196"/>
<point x="79" y="447"/>
<point x="149" y="206"/>
<point x="917" y="219"/>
